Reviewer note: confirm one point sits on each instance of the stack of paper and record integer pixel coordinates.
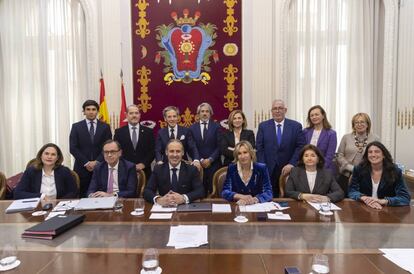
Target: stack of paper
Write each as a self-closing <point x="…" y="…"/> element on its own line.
<point x="403" y="257"/>
<point x="185" y="236"/>
<point x="23" y="205"/>
<point x="317" y="206"/>
<point x="221" y="208"/>
<point x="278" y="216"/>
<point x="263" y="207"/>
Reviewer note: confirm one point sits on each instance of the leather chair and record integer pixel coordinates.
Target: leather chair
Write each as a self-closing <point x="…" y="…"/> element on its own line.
<point x="2" y="186"/>
<point x="218" y="180"/>
<point x="142" y="181"/>
<point x="282" y="184"/>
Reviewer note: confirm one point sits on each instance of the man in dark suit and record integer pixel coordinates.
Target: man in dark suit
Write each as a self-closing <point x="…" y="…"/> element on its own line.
<point x="86" y="141"/>
<point x="278" y="143"/>
<point x="114" y="176"/>
<point x="175" y="181"/>
<point x="206" y="134"/>
<point x="174" y="131"/>
<point x="137" y="141"/>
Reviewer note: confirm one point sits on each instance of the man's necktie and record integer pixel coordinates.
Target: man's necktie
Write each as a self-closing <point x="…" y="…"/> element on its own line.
<point x="110" y="187"/>
<point x="279" y="134"/>
<point x="204" y="130"/>
<point x="92" y="130"/>
<point x="172" y="136"/>
<point x="134" y="137"/>
<point x="174" y="179"/>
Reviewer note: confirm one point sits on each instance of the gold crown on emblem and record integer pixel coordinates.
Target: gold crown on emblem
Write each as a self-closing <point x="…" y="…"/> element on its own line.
<point x="185" y="20"/>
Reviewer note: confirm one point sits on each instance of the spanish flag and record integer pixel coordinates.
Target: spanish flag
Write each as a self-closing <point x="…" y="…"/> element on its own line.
<point x="103" y="109"/>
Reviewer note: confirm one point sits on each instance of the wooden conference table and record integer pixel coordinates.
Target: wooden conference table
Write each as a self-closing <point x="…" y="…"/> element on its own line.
<point x="113" y="241"/>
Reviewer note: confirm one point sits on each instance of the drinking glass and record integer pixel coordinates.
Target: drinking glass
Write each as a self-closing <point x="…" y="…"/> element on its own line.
<point x="150" y="261"/>
<point x="320" y="264"/>
<point x="240" y="215"/>
<point x="139" y="205"/>
<point x="8" y="255"/>
<point x="326" y="207"/>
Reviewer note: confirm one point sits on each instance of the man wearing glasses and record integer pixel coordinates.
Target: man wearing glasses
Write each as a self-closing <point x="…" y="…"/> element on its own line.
<point x="114" y="176"/>
<point x="279" y="141"/>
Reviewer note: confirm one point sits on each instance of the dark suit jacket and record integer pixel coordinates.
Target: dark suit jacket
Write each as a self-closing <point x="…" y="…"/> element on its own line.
<point x="184" y="135"/>
<point x="227" y="140"/>
<point x="189" y="182"/>
<point x="209" y="147"/>
<point x="127" y="179"/>
<point x="31" y="181"/>
<point x="396" y="193"/>
<point x="268" y="150"/>
<point x="326" y="144"/>
<point x="259" y="185"/>
<point x="144" y="152"/>
<point x="81" y="146"/>
<point x="325" y="184"/>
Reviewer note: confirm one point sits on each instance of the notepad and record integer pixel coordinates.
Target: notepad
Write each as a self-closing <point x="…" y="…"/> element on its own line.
<point x="28" y="204"/>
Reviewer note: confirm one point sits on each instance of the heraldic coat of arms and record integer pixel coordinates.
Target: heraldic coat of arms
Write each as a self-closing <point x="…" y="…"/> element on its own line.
<point x="186" y="49"/>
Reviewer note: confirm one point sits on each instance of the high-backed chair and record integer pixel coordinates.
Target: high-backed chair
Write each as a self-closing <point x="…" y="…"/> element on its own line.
<point x="30" y="163"/>
<point x="77" y="179"/>
<point x="2" y="186"/>
<point x="142" y="181"/>
<point x="282" y="184"/>
<point x="218" y="180"/>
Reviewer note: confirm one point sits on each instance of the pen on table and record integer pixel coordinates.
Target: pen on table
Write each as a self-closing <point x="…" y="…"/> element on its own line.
<point x="29" y="201"/>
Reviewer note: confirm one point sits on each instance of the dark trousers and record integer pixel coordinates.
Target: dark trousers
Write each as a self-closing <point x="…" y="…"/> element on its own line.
<point x="85" y="180"/>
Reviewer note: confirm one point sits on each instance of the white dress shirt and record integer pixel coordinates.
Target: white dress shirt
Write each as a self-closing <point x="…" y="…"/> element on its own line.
<point x="202" y="127"/>
<point x="48" y="186"/>
<point x="282" y="124"/>
<point x="88" y="123"/>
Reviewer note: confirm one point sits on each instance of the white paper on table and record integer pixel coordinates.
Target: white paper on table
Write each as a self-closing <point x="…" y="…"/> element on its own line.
<point x="279" y="207"/>
<point x="260" y="207"/>
<point x="317" y="206"/>
<point x="23" y="205"/>
<point x="276" y="216"/>
<point x="403" y="257"/>
<point x="161" y="216"/>
<point x="184" y="236"/>
<point x="53" y="214"/>
<point x="65" y="205"/>
<point x="221" y="208"/>
<point x="160" y="208"/>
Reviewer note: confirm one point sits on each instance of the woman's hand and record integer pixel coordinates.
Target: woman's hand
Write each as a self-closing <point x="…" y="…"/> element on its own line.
<point x="373" y="202"/>
<point x="315" y="198"/>
<point x="245" y="199"/>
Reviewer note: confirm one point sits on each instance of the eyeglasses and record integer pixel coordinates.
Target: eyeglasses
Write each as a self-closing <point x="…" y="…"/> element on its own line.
<point x="278" y="108"/>
<point x="108" y="152"/>
<point x="360" y="123"/>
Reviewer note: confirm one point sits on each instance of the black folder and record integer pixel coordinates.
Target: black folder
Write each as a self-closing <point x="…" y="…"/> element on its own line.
<point x="53" y="227"/>
<point x="194" y="207"/>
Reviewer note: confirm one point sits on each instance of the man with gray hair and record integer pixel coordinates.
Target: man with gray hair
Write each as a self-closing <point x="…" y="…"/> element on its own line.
<point x="206" y="135"/>
<point x="278" y="143"/>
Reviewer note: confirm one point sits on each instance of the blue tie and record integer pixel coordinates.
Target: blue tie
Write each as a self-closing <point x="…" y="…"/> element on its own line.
<point x="279" y="134"/>
<point x="174" y="179"/>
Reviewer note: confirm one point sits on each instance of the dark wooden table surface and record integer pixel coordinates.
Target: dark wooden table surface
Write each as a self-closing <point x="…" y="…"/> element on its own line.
<point x="113" y="241"/>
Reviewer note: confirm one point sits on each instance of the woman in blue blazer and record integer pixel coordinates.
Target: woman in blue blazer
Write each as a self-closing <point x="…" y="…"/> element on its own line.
<point x="376" y="181"/>
<point x="47" y="178"/>
<point x="320" y="134"/>
<point x="237" y="132"/>
<point x="247" y="182"/>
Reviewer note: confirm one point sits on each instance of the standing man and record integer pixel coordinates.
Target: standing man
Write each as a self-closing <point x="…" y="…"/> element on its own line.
<point x="114" y="176"/>
<point x="174" y="131"/>
<point x="137" y="141"/>
<point x="86" y="141"/>
<point x="174" y="182"/>
<point x="206" y="136"/>
<point x="279" y="141"/>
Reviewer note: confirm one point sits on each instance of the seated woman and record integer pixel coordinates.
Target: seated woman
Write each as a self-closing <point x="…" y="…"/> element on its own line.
<point x="237" y="132"/>
<point x="247" y="182"/>
<point x="376" y="181"/>
<point x="309" y="181"/>
<point x="47" y="178"/>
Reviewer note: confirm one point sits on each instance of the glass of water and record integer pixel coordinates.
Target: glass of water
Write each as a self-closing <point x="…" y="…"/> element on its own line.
<point x="326" y="207"/>
<point x="150" y="261"/>
<point x="320" y="264"/>
<point x="8" y="255"/>
<point x="139" y="206"/>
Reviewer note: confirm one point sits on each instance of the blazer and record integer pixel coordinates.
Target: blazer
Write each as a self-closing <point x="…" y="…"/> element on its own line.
<point x="31" y="182"/>
<point x="81" y="146"/>
<point x="127" y="179"/>
<point x="259" y="185"/>
<point x="268" y="150"/>
<point x="325" y="184"/>
<point x="326" y="144"/>
<point x="144" y="152"/>
<point x="396" y="193"/>
<point x="189" y="182"/>
<point x="209" y="146"/>
<point x="184" y="135"/>
<point x="227" y="140"/>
